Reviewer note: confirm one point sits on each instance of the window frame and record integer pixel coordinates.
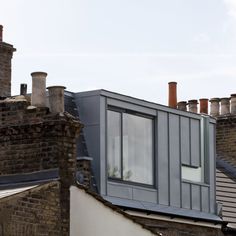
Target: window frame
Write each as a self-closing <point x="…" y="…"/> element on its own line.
<point x="139" y="114"/>
<point x="204" y="154"/>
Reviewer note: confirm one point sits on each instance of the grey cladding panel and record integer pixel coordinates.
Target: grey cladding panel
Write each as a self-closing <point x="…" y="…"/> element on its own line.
<point x="133" y="107"/>
<point x="145" y="195"/>
<point x="212" y="167"/>
<point x="195" y="142"/>
<point x="103" y="152"/>
<point x="116" y="190"/>
<point x="92" y="137"/>
<point x="196" y="197"/>
<point x="205" y="198"/>
<point x="185" y="140"/>
<point x="186" y="195"/>
<point x="163" y="172"/>
<point x="174" y="144"/>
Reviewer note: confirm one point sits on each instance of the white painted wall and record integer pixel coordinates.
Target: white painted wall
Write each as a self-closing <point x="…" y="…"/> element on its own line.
<point x="89" y="217"/>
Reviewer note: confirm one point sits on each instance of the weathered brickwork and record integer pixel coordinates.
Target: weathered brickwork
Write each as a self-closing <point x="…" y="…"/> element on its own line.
<point x="34" y="140"/>
<point x="35" y="212"/>
<point x="6" y="52"/>
<point x="179" y="229"/>
<point x="226" y="138"/>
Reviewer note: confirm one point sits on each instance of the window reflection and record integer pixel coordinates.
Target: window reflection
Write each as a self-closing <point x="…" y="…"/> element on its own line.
<point x="134" y="150"/>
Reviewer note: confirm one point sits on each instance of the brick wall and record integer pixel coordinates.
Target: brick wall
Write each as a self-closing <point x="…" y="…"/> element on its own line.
<point x="226" y="138"/>
<point x="33" y="212"/>
<point x="33" y="140"/>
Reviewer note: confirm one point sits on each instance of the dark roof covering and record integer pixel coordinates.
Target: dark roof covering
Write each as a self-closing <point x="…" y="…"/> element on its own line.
<point x="70" y="107"/>
<point x="153" y="208"/>
<point x="27" y="179"/>
<point x="226" y="167"/>
<point x="114" y="207"/>
<point x="226" y="190"/>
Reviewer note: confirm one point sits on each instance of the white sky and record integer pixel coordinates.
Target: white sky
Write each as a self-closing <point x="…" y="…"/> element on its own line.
<point x="134" y="47"/>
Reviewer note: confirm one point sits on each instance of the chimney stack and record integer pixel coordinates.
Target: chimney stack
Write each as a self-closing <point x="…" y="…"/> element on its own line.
<point x="192" y="105"/>
<point x="56" y="98"/>
<point x="182" y="106"/>
<point x="215" y="107"/>
<point x="233" y="104"/>
<point x="225" y="106"/>
<point x="203" y="105"/>
<point x="172" y="94"/>
<point x="6" y="52"/>
<point x="38" y="96"/>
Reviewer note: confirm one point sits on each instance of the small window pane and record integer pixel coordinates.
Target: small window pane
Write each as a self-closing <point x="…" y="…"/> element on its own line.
<point x="114" y="144"/>
<point x="137" y="149"/>
<point x="192" y="174"/>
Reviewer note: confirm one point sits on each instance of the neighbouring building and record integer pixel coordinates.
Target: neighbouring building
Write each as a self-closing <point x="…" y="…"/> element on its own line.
<point x="102" y="163"/>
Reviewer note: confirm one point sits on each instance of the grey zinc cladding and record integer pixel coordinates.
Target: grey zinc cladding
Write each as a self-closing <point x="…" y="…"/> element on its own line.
<point x="177" y="141"/>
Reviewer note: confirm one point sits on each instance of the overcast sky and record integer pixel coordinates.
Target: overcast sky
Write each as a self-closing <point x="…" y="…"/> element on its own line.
<point x="133" y="47"/>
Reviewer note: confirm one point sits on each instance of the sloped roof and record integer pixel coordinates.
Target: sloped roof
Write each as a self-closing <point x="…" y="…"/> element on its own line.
<point x="226" y="190"/>
<point x="9" y="192"/>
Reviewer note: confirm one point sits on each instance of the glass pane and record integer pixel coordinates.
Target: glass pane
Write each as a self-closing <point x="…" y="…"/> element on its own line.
<point x="192" y="174"/>
<point x="137" y="149"/>
<point x="114" y="144"/>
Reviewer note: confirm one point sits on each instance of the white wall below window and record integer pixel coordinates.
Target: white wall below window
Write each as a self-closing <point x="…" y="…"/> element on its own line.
<point x="89" y="217"/>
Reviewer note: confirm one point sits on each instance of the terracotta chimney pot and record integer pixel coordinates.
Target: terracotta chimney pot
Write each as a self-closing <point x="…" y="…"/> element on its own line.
<point x="172" y="94"/>
<point x="204" y="105"/>
<point x="215" y="107"/>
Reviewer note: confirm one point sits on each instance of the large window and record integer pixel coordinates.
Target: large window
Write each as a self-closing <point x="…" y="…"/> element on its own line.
<point x="130" y="147"/>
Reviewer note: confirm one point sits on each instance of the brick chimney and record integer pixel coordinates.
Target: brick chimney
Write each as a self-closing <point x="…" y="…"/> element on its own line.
<point x="6" y="52"/>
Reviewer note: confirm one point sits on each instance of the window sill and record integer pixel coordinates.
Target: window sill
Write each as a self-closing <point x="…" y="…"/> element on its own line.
<point x="131" y="184"/>
<point x="196" y="183"/>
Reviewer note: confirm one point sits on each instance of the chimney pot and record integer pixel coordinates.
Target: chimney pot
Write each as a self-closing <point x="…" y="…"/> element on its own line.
<point x="215" y="107"/>
<point x="23" y="89"/>
<point x="233" y="104"/>
<point x="204" y="105"/>
<point x="1" y="35"/>
<point x="172" y="94"/>
<point x="56" y="98"/>
<point x="6" y="53"/>
<point x="225" y="106"/>
<point x="38" y="97"/>
<point x="192" y="105"/>
<point x="182" y="106"/>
